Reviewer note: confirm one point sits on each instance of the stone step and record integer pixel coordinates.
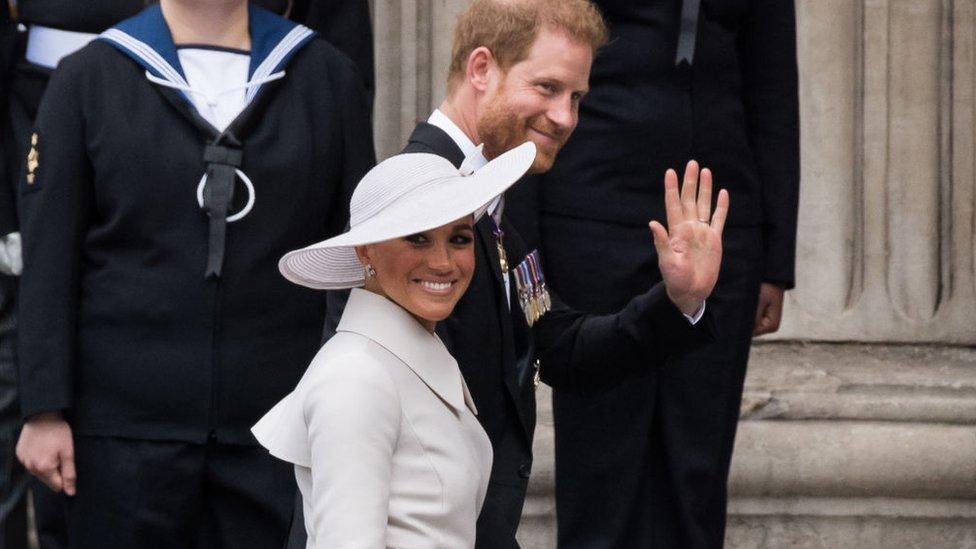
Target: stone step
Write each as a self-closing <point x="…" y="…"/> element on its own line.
<point x="839" y="445"/>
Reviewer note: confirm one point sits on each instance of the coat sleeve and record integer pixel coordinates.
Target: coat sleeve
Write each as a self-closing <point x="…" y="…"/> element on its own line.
<point x="8" y="162"/>
<point x="358" y="152"/>
<point x="55" y="210"/>
<point x="353" y="415"/>
<point x="346" y="25"/>
<point x="767" y="48"/>
<point x="359" y="156"/>
<point x="587" y="353"/>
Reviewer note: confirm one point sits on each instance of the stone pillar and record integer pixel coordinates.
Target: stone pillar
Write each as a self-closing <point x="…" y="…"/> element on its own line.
<point x="885" y="243"/>
<point x="413" y="51"/>
<point x="847" y="444"/>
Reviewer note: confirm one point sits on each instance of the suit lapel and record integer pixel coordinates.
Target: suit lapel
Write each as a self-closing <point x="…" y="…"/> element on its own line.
<point x="429" y="138"/>
<point x="509" y="357"/>
<point x="522" y="389"/>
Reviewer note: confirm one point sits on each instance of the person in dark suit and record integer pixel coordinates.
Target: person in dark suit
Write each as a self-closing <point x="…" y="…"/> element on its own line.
<point x="171" y="163"/>
<point x="518" y="72"/>
<point x="714" y="80"/>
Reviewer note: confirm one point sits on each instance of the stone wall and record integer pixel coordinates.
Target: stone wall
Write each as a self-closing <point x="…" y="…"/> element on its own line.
<point x="867" y="438"/>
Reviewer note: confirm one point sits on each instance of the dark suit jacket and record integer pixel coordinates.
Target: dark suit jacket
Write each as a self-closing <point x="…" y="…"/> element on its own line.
<point x="498" y="354"/>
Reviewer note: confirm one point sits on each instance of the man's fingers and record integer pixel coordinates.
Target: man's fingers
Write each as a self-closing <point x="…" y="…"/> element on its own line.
<point x="769" y="313"/>
<point x="773" y="316"/>
<point x="721" y="211"/>
<point x="672" y="201"/>
<point x="765" y="327"/>
<point x="689" y="189"/>
<point x="660" y="237"/>
<point x="758" y="328"/>
<point x="705" y="195"/>
<point x="68" y="475"/>
<point x="51" y="476"/>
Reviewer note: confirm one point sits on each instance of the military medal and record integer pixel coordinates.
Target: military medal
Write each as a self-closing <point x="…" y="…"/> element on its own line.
<point x="533" y="294"/>
<point x="502" y="259"/>
<point x="499" y="244"/>
<point x="32" y="160"/>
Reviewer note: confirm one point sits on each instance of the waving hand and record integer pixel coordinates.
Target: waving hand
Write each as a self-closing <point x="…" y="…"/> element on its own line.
<point x="690" y="249"/>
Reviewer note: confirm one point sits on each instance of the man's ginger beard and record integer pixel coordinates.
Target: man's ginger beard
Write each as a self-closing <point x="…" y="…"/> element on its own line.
<point x="501" y="129"/>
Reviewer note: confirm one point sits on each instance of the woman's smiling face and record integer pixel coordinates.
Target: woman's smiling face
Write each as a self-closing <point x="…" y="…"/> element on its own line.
<point x="425" y="273"/>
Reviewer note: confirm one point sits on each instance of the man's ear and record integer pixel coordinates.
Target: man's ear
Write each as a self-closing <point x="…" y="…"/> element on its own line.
<point x="480" y="65"/>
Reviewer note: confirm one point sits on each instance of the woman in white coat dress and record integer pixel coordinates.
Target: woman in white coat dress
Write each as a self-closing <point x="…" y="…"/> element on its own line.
<point x="381" y="428"/>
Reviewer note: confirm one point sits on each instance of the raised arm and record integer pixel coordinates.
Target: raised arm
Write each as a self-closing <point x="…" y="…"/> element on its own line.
<point x="585" y="353"/>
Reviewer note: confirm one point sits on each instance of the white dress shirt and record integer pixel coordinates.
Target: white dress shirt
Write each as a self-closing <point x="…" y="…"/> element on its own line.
<point x="383" y="434"/>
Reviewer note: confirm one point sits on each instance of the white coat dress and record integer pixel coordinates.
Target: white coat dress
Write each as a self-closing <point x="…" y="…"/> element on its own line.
<point x="383" y="435"/>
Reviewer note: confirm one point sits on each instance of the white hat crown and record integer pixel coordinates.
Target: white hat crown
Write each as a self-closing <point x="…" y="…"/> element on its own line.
<point x="397" y="177"/>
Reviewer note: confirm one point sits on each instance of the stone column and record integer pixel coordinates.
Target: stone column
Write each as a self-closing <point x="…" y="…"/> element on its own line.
<point x="413" y="51"/>
<point x="885" y="243"/>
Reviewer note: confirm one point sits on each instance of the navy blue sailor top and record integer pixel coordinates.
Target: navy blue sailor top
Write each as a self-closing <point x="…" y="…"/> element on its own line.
<point x="124" y="323"/>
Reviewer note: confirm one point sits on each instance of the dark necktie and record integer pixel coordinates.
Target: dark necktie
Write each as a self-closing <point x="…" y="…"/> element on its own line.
<point x="689" y="31"/>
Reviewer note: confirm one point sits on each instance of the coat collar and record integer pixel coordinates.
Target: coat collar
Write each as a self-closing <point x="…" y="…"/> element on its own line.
<point x="146" y="38"/>
<point x="393" y="328"/>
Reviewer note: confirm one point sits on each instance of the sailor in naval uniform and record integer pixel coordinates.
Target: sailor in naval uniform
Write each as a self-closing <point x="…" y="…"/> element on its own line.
<point x="177" y="157"/>
<point x="48" y="31"/>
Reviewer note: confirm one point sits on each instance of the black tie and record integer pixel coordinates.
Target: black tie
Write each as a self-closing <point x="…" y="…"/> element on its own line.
<point x="218" y="194"/>
<point x="689" y="31"/>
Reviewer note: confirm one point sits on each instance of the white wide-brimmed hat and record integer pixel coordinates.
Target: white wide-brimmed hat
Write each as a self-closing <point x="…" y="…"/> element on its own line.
<point x="403" y="195"/>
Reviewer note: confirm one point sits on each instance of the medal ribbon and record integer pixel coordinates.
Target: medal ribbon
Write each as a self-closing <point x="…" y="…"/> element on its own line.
<point x="532" y="292"/>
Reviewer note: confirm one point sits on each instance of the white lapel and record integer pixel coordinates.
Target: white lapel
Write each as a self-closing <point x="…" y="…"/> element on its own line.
<point x="389" y="325"/>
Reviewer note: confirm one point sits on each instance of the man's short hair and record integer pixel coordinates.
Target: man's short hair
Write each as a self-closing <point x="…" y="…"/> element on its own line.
<point x="509" y="27"/>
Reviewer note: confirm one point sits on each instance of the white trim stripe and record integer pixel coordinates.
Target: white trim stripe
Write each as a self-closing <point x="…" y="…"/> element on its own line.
<point x="284" y="47"/>
<point x="146" y="53"/>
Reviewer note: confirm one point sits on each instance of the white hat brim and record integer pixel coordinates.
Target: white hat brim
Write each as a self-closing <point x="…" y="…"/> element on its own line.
<point x="332" y="264"/>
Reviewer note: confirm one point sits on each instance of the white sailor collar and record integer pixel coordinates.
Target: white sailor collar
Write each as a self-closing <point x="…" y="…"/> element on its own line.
<point x="402" y="335"/>
<point x="146" y="38"/>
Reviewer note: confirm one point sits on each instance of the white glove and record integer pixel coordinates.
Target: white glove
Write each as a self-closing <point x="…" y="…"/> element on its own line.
<point x="10" y="260"/>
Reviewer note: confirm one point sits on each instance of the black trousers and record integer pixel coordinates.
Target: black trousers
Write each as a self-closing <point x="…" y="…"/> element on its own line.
<point x="646" y="464"/>
<point x="50" y="510"/>
<point x="156" y="494"/>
